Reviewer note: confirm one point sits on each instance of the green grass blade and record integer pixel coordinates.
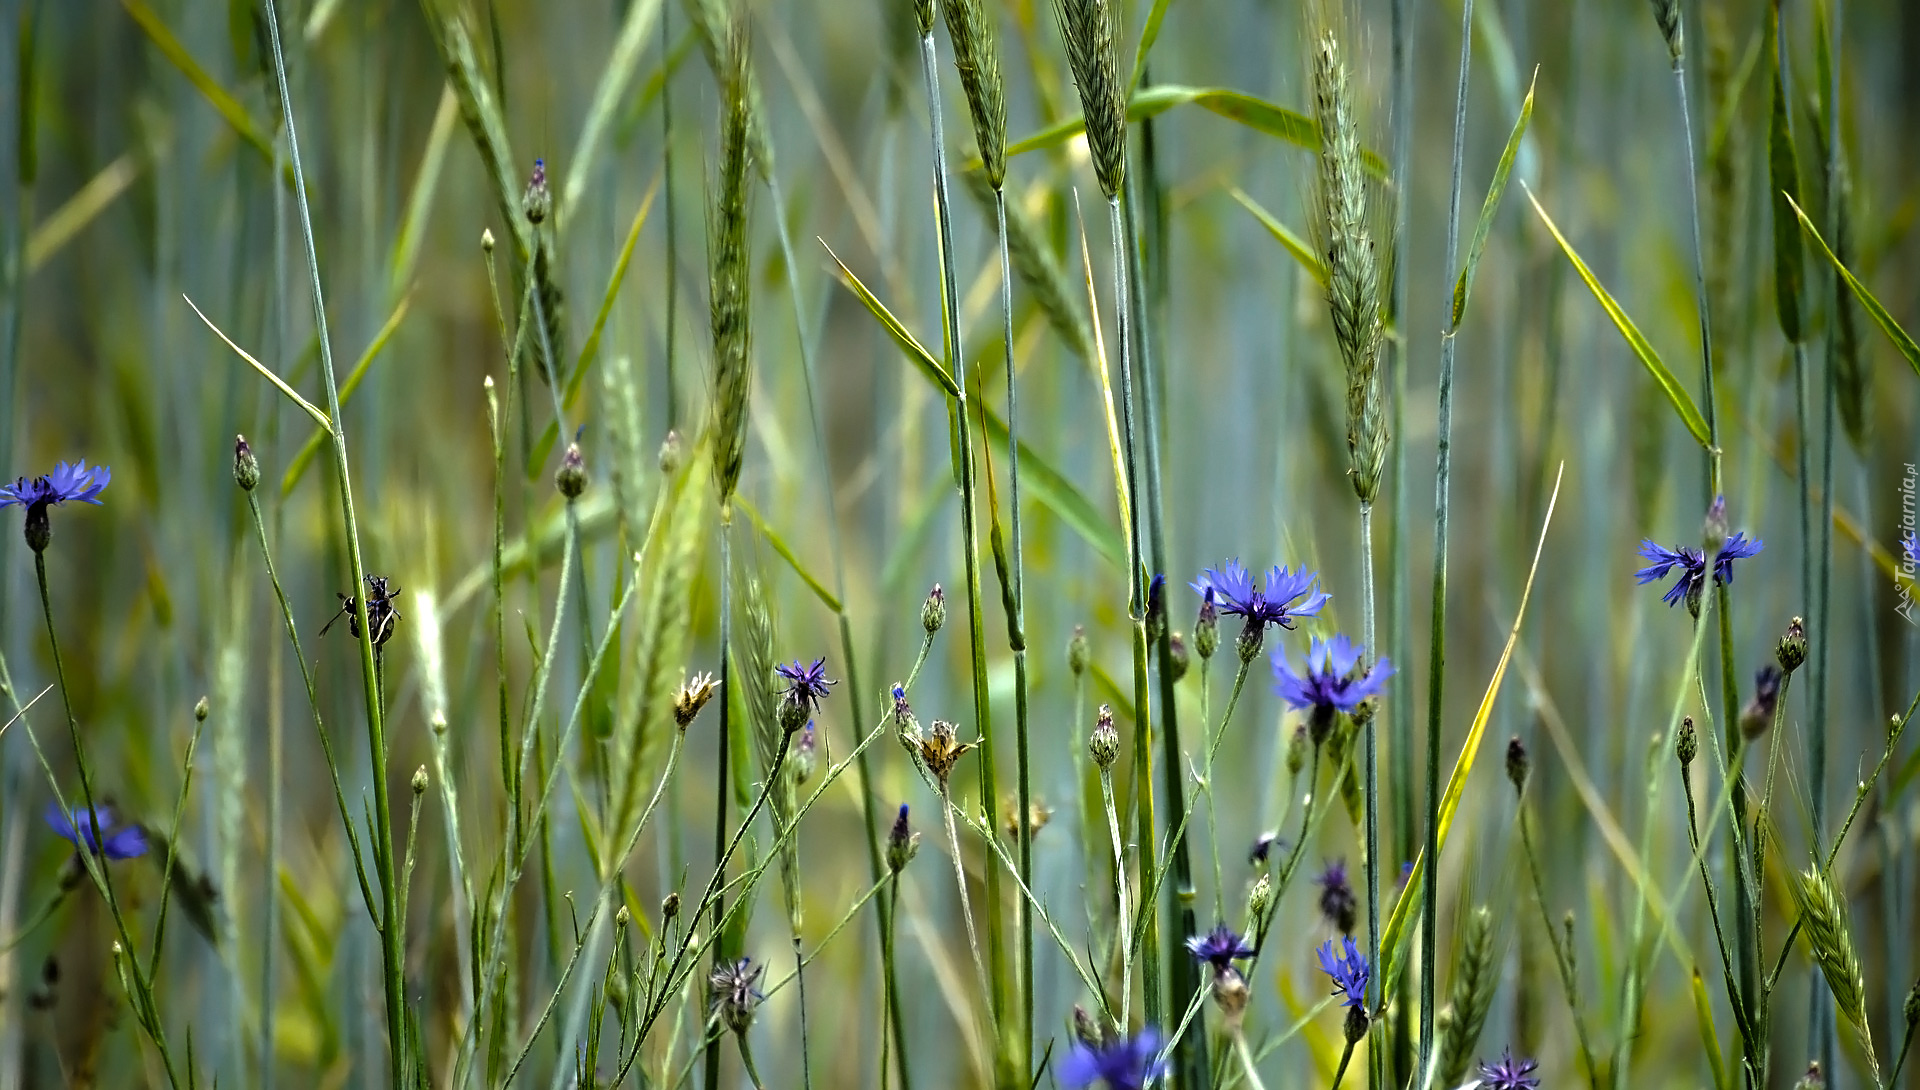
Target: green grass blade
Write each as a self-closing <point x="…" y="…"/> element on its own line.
<point x="406" y="241"/>
<point x="1399" y="926"/>
<point x="1901" y="339"/>
<point x="917" y="353"/>
<point x="1149" y="33"/>
<point x="1484" y="228"/>
<point x="1294" y="244"/>
<point x="590" y="351"/>
<point x="1676" y="393"/>
<point x="222" y="101"/>
<point x="611" y="90"/>
<point x="1256" y="113"/>
<point x="1709" y="1037"/>
<point x="819" y="589"/>
<point x="279" y="383"/>
<point x="1039" y="479"/>
<point x="298" y="466"/>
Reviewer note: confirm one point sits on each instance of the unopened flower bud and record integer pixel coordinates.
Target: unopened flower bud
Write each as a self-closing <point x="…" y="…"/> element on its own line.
<point x="670" y="906"/>
<point x="1911" y="1009"/>
<point x="1518" y="763"/>
<point x="1230" y="994"/>
<point x="538" y="199"/>
<point x="1757" y="716"/>
<point x="1813" y="1079"/>
<point x="1206" y="628"/>
<point x="1356" y="1026"/>
<point x="902" y="843"/>
<point x="806" y="755"/>
<point x="1077" y="652"/>
<point x="1792" y="649"/>
<point x="1104" y="745"/>
<point x="1297" y="751"/>
<point x="933" y="611"/>
<point x="672" y="452"/>
<point x="622" y="917"/>
<point x="571" y="477"/>
<point x="1259" y="898"/>
<point x="1686" y="745"/>
<point x="200" y="710"/>
<point x="420" y="780"/>
<point x="246" y="467"/>
<point x="1086" y="1029"/>
<point x="1177" y="656"/>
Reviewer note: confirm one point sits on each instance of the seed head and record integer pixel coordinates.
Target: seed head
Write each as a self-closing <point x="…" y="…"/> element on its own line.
<point x="941" y="748"/>
<point x="975" y="56"/>
<point x="246" y="467"/>
<point x="1666" y="13"/>
<point x="1087" y="26"/>
<point x="1104" y="745"/>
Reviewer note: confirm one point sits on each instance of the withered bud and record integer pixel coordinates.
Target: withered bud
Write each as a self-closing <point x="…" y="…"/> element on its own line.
<point x="693" y="695"/>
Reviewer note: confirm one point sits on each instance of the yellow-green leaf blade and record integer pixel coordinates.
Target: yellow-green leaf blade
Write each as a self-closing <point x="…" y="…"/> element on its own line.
<point x="1901" y="339"/>
<point x="916" y="352"/>
<point x="1293" y="243"/>
<point x="1484" y="228"/>
<point x="1676" y="394"/>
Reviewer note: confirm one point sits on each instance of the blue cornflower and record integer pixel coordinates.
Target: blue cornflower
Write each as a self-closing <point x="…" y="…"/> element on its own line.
<point x="77" y="829"/>
<point x="731" y="995"/>
<point x="1330" y="681"/>
<point x="1219" y="948"/>
<point x="1124" y="1063"/>
<point x="1349" y="972"/>
<point x="74" y="482"/>
<point x="807" y="686"/>
<point x="1692" y="563"/>
<point x="1237" y="594"/>
<point x="1509" y="1073"/>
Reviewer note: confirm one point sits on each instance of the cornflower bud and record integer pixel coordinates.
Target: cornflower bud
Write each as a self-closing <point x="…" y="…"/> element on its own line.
<point x="246" y="467"/>
<point x="1104" y="745"/>
<point x="933" y="612"/>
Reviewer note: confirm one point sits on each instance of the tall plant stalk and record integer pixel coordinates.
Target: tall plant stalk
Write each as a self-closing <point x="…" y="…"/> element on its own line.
<point x="959" y="418"/>
<point x="1437" y="650"/>
<point x="1398" y="712"/>
<point x="392" y="929"/>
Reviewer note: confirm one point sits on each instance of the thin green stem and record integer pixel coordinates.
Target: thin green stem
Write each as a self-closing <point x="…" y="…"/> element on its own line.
<point x="1568" y="982"/>
<point x="392" y="928"/>
<point x="1123" y="918"/>
<point x="1375" y="997"/>
<point x="1437" y="653"/>
<point x="723" y="744"/>
<point x="960" y="882"/>
<point x="1246" y="1059"/>
<point x="969" y="529"/>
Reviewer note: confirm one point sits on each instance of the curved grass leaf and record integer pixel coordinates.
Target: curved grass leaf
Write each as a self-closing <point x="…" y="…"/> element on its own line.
<point x="1294" y="244"/>
<point x="819" y="589"/>
<point x="1901" y="338"/>
<point x="1400" y="925"/>
<point x="218" y="97"/>
<point x="916" y="352"/>
<point x="1256" y="113"/>
<point x="1485" y="227"/>
<point x="298" y="467"/>
<point x="1676" y="393"/>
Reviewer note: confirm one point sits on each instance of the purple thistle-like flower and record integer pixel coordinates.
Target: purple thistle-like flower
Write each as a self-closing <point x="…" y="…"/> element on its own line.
<point x="78" y="830"/>
<point x="1337" y="903"/>
<point x="1509" y="1073"/>
<point x="1692" y="563"/>
<point x="1288" y="595"/>
<point x="1349" y="970"/>
<point x="73" y="482"/>
<point x="1219" y="948"/>
<point x="1124" y="1063"/>
<point x="807" y="685"/>
<point x="1329" y="682"/>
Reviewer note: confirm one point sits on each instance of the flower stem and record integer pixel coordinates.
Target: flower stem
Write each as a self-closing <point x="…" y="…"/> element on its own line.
<point x="1119" y="893"/>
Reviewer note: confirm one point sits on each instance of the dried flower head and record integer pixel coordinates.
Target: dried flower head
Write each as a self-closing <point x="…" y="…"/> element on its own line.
<point x="693" y="695"/>
<point x="1038" y="815"/>
<point x="940" y="749"/>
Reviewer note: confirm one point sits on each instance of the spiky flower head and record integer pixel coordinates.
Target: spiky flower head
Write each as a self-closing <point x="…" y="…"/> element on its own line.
<point x="1509" y="1073"/>
<point x="975" y="55"/>
<point x="75" y="483"/>
<point x="806" y="687"/>
<point x="693" y="695"/>
<point x="1692" y="563"/>
<point x="1347" y="967"/>
<point x="1338" y="905"/>
<point x="1087" y="26"/>
<point x="1287" y="597"/>
<point x="1219" y="948"/>
<point x="1119" y="1063"/>
<point x="246" y="467"/>
<point x="1344" y="227"/>
<point x="903" y="843"/>
<point x="1666" y="14"/>
<point x="1260" y="898"/>
<point x="93" y="830"/>
<point x="941" y="749"/>
<point x="731" y="994"/>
